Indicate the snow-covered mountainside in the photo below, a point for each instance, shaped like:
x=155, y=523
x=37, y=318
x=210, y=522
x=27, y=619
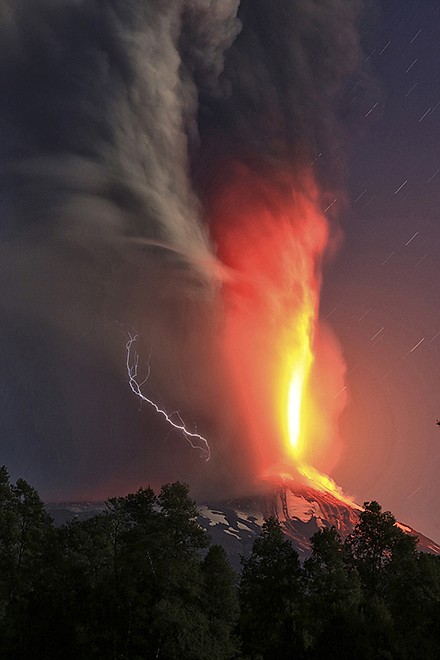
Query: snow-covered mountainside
x=234, y=524
x=302, y=512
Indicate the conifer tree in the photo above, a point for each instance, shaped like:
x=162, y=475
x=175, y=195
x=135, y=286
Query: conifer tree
x=271, y=597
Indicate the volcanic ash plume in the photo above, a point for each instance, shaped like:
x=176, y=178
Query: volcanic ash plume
x=272, y=170
x=275, y=243
x=165, y=166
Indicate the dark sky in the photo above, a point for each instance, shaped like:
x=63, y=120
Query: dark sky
x=113, y=120
x=382, y=296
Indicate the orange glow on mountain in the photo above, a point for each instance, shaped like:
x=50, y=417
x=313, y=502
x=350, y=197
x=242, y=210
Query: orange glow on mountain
x=272, y=235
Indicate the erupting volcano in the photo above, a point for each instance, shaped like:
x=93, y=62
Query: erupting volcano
x=169, y=177
x=271, y=233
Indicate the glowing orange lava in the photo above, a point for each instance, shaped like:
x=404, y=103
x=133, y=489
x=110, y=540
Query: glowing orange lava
x=300, y=364
x=271, y=233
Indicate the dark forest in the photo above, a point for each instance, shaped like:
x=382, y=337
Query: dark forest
x=142, y=580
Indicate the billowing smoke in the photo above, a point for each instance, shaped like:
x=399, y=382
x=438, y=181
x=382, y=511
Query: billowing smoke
x=122, y=122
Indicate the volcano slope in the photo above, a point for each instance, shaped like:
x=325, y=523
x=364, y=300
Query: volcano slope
x=301, y=510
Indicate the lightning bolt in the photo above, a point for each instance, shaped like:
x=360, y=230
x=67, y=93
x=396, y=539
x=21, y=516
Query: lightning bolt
x=132, y=364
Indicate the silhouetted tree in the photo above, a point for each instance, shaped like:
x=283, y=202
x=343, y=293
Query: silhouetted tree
x=27, y=551
x=136, y=579
x=140, y=566
x=221, y=602
x=376, y=542
x=382, y=554
x=271, y=597
x=333, y=598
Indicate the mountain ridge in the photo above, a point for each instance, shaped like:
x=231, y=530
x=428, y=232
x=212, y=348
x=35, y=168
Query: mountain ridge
x=302, y=511
x=235, y=523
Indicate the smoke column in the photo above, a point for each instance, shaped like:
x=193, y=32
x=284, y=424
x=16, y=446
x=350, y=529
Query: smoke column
x=150, y=150
x=275, y=166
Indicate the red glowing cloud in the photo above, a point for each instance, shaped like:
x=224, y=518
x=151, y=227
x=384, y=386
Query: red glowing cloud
x=284, y=373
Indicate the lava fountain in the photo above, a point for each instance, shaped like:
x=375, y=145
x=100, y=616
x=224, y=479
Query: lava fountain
x=269, y=230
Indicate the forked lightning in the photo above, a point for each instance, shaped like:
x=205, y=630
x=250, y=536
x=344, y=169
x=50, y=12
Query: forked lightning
x=132, y=364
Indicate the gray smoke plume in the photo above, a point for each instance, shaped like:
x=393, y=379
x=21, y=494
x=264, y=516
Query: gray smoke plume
x=114, y=117
x=95, y=119
x=285, y=86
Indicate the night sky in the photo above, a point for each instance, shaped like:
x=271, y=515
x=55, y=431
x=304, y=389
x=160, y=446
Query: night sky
x=382, y=295
x=116, y=119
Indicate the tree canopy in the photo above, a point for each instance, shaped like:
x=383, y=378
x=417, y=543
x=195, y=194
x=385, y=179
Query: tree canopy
x=142, y=580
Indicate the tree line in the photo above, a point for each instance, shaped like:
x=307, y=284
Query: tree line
x=142, y=580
